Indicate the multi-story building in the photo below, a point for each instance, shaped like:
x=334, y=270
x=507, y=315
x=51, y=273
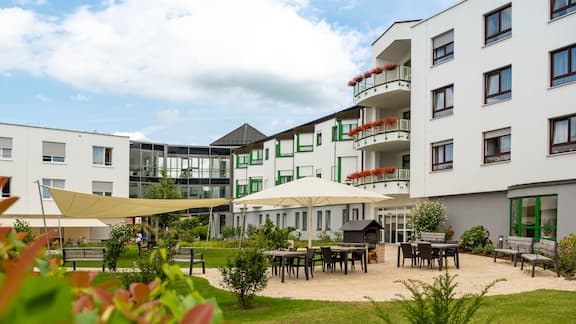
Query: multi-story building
x=199, y=171
x=78, y=161
x=320, y=148
x=481, y=96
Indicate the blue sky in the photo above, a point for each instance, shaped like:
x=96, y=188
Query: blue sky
x=186, y=71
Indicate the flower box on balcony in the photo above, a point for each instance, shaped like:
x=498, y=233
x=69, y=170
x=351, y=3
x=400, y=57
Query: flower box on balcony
x=367, y=74
x=390, y=66
x=351, y=83
x=377, y=70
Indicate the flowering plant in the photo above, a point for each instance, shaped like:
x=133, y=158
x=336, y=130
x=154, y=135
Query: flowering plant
x=367, y=74
x=351, y=83
x=390, y=66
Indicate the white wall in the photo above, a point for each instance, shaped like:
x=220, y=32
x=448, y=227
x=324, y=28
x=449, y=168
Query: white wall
x=26, y=165
x=527, y=113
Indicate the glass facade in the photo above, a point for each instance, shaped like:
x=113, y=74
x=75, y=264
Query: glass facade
x=534, y=216
x=199, y=171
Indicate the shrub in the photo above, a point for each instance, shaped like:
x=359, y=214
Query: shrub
x=271, y=237
x=475, y=237
x=488, y=249
x=324, y=236
x=117, y=244
x=245, y=275
x=567, y=253
x=22, y=226
x=427, y=216
x=149, y=269
x=437, y=303
x=338, y=236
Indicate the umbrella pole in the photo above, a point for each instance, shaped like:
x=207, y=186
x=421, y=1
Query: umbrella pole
x=43, y=213
x=309, y=221
x=209, y=226
x=61, y=240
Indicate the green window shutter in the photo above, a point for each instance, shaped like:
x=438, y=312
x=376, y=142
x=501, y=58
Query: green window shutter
x=318, y=139
x=297, y=172
x=339, y=169
x=277, y=149
x=278, y=177
x=297, y=142
x=340, y=128
x=334, y=133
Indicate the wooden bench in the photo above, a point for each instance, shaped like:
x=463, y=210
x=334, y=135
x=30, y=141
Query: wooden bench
x=545, y=252
x=433, y=237
x=187, y=254
x=516, y=246
x=83, y=254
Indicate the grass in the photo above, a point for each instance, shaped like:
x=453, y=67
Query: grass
x=540, y=306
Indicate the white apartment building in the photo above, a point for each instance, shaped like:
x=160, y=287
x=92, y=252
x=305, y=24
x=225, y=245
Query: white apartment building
x=479, y=103
x=320, y=148
x=78, y=161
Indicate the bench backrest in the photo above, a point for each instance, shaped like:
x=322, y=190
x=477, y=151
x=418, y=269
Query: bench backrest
x=433, y=237
x=83, y=253
x=547, y=247
x=522, y=244
x=184, y=253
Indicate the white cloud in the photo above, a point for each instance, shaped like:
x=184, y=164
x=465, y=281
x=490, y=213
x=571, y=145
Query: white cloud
x=79, y=97
x=169, y=116
x=260, y=51
x=135, y=136
x=43, y=98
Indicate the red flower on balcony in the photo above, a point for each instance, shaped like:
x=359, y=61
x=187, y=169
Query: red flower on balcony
x=390, y=169
x=351, y=83
x=353, y=131
x=358, y=78
x=390, y=66
x=352, y=176
x=367, y=74
x=391, y=121
x=377, y=123
x=377, y=70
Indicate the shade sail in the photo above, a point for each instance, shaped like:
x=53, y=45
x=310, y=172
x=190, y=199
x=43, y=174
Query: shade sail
x=309, y=192
x=76, y=204
x=53, y=222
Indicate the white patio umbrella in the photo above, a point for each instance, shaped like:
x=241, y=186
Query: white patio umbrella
x=310, y=192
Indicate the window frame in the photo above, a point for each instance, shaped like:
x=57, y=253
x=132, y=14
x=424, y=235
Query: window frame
x=104, y=162
x=496, y=37
x=6, y=150
x=435, y=166
x=567, y=143
x=571, y=69
x=327, y=220
x=49, y=182
x=435, y=112
x=500, y=92
x=500, y=153
x=318, y=220
x=567, y=7
x=53, y=158
x=6, y=192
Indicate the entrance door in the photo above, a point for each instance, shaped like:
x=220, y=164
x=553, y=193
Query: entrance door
x=396, y=223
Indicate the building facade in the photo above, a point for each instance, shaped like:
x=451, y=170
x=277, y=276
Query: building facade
x=320, y=148
x=78, y=161
x=488, y=88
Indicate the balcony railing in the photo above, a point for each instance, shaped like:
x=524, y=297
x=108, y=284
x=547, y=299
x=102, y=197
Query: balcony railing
x=401, y=125
x=397, y=175
x=400, y=73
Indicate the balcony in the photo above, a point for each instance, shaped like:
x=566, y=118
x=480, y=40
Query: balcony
x=388, y=88
x=385, y=136
x=396, y=182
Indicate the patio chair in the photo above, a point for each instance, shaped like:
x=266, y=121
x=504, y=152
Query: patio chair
x=451, y=252
x=425, y=252
x=356, y=256
x=312, y=259
x=329, y=259
x=408, y=253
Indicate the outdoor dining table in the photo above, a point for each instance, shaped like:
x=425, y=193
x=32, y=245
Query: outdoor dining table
x=441, y=247
x=288, y=254
x=345, y=250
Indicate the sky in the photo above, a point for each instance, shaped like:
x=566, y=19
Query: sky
x=186, y=71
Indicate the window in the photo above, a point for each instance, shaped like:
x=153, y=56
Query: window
x=284, y=220
x=304, y=221
x=297, y=220
x=442, y=155
x=534, y=216
x=498, y=85
x=284, y=176
x=241, y=188
x=266, y=154
x=563, y=65
x=345, y=216
x=559, y=8
x=305, y=142
x=318, y=139
x=101, y=155
x=256, y=157
x=334, y=133
x=354, y=213
x=319, y=220
x=498, y=24
x=6, y=189
x=345, y=129
x=278, y=220
x=497, y=145
x=102, y=188
x=327, y=220
x=255, y=184
x=285, y=148
x=53, y=152
x=241, y=161
x=443, y=48
x=57, y=183
x=318, y=173
x=442, y=101
x=563, y=134
x=406, y=161
x=5, y=148
x=260, y=219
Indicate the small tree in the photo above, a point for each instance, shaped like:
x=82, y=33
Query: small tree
x=475, y=237
x=245, y=275
x=166, y=188
x=24, y=226
x=427, y=216
x=117, y=244
x=271, y=237
x=567, y=253
x=437, y=303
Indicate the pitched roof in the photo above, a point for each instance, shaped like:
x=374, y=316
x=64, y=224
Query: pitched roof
x=360, y=225
x=242, y=135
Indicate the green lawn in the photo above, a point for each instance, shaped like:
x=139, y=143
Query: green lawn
x=541, y=306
